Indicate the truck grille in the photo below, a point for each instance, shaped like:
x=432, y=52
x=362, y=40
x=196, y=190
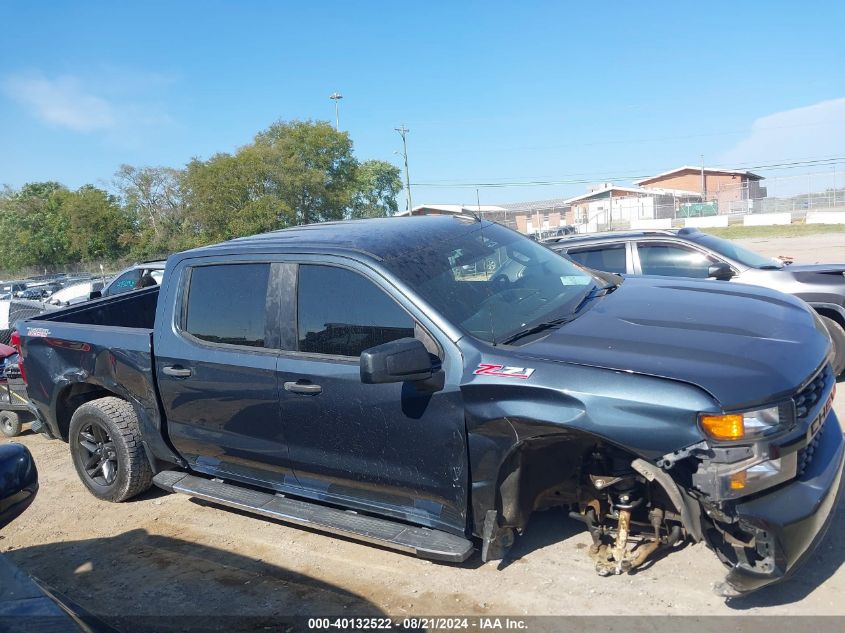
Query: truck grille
x=805, y=401
x=805, y=455
x=810, y=395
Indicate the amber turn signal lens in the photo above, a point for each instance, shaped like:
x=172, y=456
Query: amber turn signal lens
x=739, y=480
x=724, y=427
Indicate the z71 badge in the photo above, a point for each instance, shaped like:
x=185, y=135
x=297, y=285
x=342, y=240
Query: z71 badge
x=500, y=371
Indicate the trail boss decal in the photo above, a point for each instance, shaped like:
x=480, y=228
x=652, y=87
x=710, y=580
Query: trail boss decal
x=500, y=371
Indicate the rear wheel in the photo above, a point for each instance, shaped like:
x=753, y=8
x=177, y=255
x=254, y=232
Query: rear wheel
x=10, y=423
x=837, y=335
x=105, y=443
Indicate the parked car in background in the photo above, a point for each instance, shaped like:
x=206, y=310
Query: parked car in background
x=9, y=289
x=692, y=253
x=131, y=279
x=75, y=293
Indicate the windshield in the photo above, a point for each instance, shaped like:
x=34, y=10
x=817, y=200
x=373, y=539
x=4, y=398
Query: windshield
x=736, y=252
x=492, y=281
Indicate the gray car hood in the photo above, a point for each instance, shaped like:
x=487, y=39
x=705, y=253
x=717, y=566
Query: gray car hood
x=744, y=345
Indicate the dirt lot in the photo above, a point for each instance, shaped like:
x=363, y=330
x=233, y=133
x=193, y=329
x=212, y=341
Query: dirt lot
x=824, y=248
x=168, y=555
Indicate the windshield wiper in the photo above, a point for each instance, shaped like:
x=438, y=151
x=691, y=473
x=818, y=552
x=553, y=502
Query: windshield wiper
x=547, y=325
x=540, y=327
x=597, y=291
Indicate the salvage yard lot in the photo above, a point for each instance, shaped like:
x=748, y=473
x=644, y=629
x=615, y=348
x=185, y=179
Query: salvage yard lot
x=168, y=555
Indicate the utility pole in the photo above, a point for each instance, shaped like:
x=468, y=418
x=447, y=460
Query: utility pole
x=402, y=132
x=703, y=182
x=336, y=97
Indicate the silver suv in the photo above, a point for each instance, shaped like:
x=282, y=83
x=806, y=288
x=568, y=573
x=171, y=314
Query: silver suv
x=689, y=252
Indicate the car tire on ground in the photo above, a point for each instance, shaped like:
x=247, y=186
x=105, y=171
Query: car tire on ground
x=105, y=444
x=10, y=423
x=837, y=335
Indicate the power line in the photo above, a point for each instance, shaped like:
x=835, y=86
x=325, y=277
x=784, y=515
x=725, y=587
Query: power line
x=632, y=141
x=575, y=181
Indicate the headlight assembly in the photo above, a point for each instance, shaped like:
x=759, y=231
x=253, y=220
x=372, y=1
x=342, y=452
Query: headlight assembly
x=748, y=425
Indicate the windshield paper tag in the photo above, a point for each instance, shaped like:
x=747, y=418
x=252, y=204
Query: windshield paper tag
x=500, y=371
x=575, y=280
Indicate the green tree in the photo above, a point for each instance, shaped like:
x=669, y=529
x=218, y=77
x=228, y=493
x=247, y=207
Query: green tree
x=97, y=226
x=292, y=173
x=311, y=168
x=35, y=228
x=153, y=200
x=377, y=185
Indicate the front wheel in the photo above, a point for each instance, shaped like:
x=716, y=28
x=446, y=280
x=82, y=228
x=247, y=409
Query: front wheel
x=105, y=444
x=837, y=335
x=10, y=423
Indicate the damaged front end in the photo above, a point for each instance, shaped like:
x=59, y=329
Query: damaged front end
x=760, y=491
x=631, y=510
x=767, y=482
x=768, y=497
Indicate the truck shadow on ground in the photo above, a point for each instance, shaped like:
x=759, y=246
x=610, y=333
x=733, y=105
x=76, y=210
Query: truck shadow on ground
x=544, y=529
x=826, y=560
x=473, y=562
x=138, y=581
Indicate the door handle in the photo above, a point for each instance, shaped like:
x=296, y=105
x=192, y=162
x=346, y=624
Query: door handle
x=303, y=387
x=176, y=371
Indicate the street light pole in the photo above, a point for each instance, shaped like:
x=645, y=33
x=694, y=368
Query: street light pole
x=402, y=132
x=336, y=97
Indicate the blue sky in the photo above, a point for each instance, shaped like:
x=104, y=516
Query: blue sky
x=568, y=92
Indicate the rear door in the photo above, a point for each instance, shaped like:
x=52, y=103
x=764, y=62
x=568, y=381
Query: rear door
x=394, y=448
x=216, y=370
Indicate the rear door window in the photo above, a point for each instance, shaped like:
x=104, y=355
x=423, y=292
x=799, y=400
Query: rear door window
x=342, y=313
x=227, y=304
x=673, y=260
x=607, y=257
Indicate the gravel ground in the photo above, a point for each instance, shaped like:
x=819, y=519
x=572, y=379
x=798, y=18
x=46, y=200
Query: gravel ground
x=168, y=555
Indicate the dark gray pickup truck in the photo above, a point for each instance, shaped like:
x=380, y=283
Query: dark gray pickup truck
x=382, y=379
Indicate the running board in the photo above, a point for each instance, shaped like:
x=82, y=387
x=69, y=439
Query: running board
x=420, y=541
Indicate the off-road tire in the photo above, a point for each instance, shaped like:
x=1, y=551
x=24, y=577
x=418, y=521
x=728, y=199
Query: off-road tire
x=132, y=472
x=10, y=423
x=837, y=335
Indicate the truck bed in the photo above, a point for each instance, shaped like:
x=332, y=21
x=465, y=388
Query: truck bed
x=105, y=344
x=132, y=310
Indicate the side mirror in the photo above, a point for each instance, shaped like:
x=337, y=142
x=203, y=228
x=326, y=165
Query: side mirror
x=94, y=294
x=720, y=271
x=18, y=481
x=405, y=359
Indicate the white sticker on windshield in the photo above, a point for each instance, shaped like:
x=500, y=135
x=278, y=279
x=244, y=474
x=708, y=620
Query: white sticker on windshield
x=574, y=280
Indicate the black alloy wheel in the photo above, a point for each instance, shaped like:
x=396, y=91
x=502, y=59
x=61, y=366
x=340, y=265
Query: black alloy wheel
x=100, y=464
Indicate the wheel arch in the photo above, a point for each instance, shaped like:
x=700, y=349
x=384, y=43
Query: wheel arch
x=73, y=396
x=831, y=311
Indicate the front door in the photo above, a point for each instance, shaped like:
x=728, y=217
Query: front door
x=391, y=448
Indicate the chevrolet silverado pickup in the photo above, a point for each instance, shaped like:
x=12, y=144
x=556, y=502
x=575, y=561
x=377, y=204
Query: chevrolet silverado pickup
x=426, y=384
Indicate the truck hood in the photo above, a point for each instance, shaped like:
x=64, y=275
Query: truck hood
x=743, y=344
